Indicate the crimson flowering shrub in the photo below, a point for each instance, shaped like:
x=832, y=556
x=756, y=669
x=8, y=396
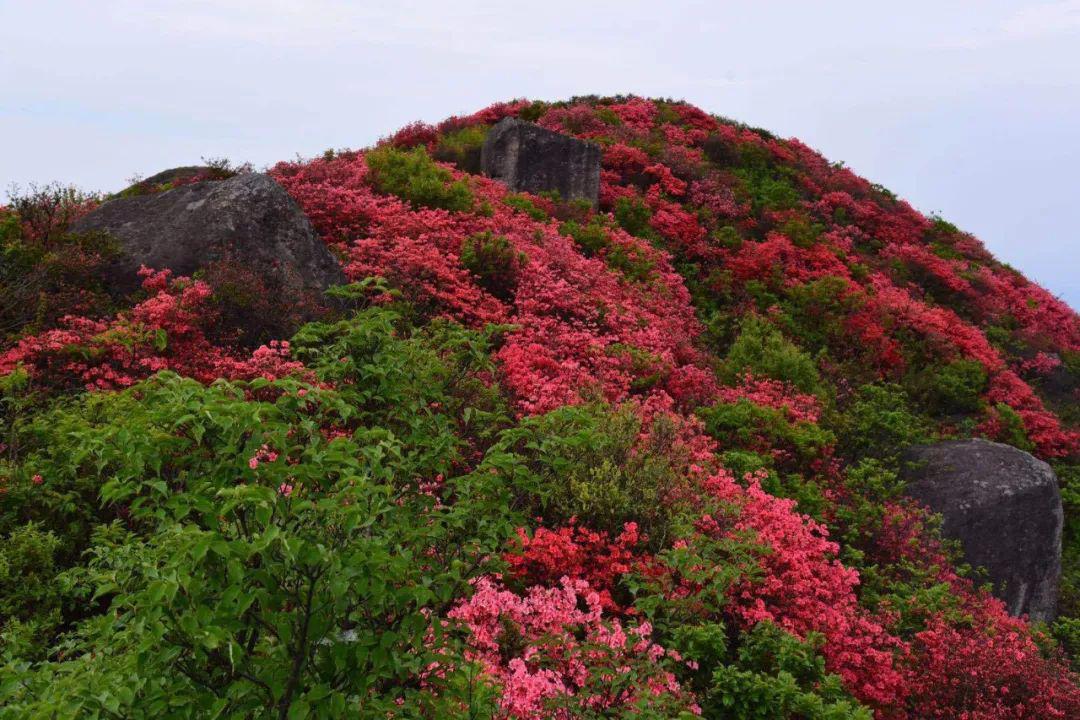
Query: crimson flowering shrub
x=803, y=588
x=990, y=668
x=165, y=331
x=766, y=392
x=578, y=553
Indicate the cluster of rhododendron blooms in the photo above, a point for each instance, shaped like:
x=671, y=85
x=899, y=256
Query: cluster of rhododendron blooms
x=166, y=331
x=553, y=630
x=566, y=649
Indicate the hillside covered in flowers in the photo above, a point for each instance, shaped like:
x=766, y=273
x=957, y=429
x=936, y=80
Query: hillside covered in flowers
x=540, y=459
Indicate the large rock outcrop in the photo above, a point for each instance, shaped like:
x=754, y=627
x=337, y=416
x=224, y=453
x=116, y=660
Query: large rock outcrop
x=1004, y=507
x=242, y=232
x=529, y=158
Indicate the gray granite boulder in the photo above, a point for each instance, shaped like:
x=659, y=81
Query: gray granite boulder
x=1004, y=507
x=245, y=228
x=529, y=158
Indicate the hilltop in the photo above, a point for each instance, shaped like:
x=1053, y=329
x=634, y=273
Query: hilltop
x=641, y=448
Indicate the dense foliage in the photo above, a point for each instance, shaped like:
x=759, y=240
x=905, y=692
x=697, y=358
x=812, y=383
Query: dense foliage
x=544, y=460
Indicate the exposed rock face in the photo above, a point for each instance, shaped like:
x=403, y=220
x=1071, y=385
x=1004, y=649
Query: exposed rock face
x=529, y=158
x=244, y=227
x=1003, y=505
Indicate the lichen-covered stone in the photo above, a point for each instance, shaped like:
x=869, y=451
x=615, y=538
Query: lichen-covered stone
x=1004, y=507
x=529, y=158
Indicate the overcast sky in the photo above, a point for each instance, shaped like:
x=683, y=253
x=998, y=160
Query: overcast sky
x=968, y=109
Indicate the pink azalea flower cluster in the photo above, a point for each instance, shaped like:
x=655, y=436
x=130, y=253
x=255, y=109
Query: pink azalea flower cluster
x=566, y=654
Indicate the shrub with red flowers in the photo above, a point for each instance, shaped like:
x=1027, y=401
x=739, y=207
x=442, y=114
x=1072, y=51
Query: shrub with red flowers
x=577, y=553
x=164, y=332
x=766, y=392
x=572, y=313
x=991, y=667
x=803, y=588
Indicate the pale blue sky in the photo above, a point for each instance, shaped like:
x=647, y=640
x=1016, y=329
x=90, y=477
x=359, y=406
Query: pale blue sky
x=969, y=109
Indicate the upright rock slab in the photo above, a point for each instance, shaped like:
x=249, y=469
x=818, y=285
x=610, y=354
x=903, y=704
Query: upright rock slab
x=529, y=158
x=1004, y=507
x=246, y=227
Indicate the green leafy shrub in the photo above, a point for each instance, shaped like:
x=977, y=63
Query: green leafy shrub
x=1066, y=631
x=30, y=595
x=534, y=110
x=728, y=236
x=462, y=148
x=587, y=463
x=523, y=204
x=955, y=388
x=249, y=559
x=17, y=402
x=413, y=176
x=10, y=228
x=879, y=423
x=495, y=264
x=740, y=462
x=713, y=566
x=633, y=216
x=761, y=349
x=1069, y=591
x=815, y=314
x=754, y=427
x=914, y=591
x=291, y=578
x=632, y=264
x=767, y=187
x=773, y=674
x=802, y=231
x=591, y=237
x=760, y=673
x=396, y=374
x=1011, y=428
